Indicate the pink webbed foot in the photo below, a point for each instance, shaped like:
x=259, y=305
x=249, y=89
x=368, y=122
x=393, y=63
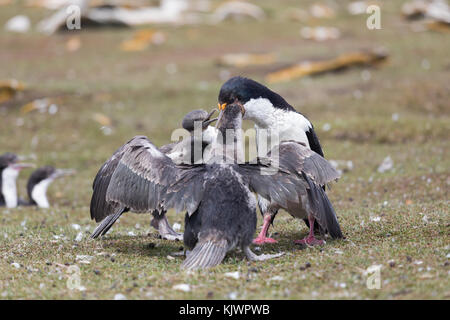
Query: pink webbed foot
x=262, y=240
x=310, y=241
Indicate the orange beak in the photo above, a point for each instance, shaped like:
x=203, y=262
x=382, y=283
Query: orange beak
x=222, y=106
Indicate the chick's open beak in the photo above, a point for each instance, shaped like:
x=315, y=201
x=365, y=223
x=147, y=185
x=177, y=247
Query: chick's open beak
x=207, y=121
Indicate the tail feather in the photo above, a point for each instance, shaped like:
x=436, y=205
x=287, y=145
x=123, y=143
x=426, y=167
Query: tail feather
x=323, y=210
x=333, y=226
x=106, y=224
x=206, y=254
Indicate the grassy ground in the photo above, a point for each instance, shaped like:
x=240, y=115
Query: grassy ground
x=397, y=219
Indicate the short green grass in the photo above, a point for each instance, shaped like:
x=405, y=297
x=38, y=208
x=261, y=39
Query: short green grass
x=397, y=219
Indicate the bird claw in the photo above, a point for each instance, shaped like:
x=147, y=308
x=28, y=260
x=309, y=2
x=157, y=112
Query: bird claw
x=172, y=237
x=262, y=257
x=310, y=241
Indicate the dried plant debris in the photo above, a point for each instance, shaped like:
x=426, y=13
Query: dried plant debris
x=386, y=165
x=434, y=15
x=142, y=39
x=73, y=44
x=49, y=105
x=437, y=10
x=346, y=60
x=102, y=119
x=237, y=10
x=358, y=7
x=121, y=14
x=322, y=11
x=9, y=89
x=320, y=33
x=246, y=59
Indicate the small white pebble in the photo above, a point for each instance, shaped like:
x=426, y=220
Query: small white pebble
x=276, y=278
x=232, y=295
x=366, y=75
x=76, y=226
x=52, y=109
x=79, y=237
x=425, y=64
x=20, y=122
x=182, y=287
x=395, y=117
x=234, y=275
x=84, y=257
x=176, y=226
x=119, y=296
x=106, y=130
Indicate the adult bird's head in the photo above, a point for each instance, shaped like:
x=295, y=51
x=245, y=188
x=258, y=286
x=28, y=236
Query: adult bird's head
x=11, y=161
x=257, y=100
x=10, y=166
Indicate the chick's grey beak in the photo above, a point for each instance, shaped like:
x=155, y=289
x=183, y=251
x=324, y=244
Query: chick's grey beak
x=20, y=166
x=63, y=172
x=207, y=121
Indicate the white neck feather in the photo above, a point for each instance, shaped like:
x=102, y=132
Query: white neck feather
x=9, y=188
x=39, y=193
x=288, y=125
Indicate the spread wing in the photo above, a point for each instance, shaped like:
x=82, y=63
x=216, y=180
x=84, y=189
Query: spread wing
x=140, y=177
x=146, y=179
x=100, y=208
x=296, y=175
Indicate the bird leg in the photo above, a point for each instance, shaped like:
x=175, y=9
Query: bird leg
x=261, y=239
x=160, y=223
x=254, y=257
x=310, y=239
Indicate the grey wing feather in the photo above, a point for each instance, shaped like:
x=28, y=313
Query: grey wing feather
x=296, y=157
x=279, y=186
x=100, y=207
x=145, y=179
x=106, y=224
